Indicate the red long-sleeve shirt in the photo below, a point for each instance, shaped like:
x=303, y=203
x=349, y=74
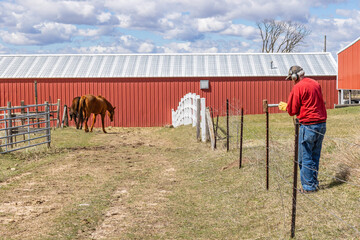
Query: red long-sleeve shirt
x=306, y=102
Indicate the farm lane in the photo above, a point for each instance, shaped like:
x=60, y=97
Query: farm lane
x=38, y=203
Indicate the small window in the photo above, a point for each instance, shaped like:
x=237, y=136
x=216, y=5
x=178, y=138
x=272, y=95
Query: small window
x=204, y=84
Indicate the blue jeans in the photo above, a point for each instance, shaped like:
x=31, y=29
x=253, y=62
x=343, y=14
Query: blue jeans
x=310, y=142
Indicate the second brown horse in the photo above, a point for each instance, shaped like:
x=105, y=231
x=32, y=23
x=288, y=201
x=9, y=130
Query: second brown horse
x=96, y=105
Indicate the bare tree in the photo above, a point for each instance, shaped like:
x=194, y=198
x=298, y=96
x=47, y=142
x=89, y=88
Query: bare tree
x=280, y=36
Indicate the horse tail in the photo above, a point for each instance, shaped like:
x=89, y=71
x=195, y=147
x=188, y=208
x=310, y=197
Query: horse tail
x=77, y=107
x=82, y=106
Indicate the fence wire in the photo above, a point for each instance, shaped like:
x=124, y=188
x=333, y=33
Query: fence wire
x=335, y=209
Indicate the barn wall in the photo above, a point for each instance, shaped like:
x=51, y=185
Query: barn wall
x=349, y=68
x=148, y=102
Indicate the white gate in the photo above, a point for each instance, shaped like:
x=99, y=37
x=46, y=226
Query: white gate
x=191, y=110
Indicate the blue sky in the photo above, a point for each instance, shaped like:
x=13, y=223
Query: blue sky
x=168, y=26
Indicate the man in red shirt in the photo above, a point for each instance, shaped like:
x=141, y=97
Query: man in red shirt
x=306, y=102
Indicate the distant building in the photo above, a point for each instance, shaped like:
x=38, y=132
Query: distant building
x=145, y=87
x=349, y=70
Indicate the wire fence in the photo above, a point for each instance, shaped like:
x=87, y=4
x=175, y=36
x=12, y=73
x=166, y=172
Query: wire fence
x=338, y=168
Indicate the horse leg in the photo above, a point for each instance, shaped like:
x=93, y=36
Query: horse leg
x=85, y=123
x=76, y=123
x=102, y=122
x=81, y=119
x=94, y=121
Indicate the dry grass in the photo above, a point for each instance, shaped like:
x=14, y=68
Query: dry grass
x=160, y=183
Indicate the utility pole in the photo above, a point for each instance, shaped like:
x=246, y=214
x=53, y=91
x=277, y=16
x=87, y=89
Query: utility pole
x=325, y=43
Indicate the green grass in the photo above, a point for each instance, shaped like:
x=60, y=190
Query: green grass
x=167, y=185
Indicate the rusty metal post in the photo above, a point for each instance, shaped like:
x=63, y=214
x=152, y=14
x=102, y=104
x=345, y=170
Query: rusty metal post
x=266, y=110
x=296, y=154
x=227, y=126
x=216, y=129
x=241, y=136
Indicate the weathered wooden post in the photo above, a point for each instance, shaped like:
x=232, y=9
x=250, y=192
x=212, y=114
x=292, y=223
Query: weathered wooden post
x=296, y=154
x=266, y=110
x=204, y=132
x=65, y=117
x=58, y=114
x=198, y=107
x=211, y=128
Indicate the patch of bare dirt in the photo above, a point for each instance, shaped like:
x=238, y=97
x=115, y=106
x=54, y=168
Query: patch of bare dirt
x=36, y=198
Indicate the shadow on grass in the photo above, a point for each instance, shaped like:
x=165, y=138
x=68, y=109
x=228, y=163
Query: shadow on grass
x=341, y=177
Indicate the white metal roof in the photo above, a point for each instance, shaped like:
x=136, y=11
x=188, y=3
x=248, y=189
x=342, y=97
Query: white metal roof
x=164, y=65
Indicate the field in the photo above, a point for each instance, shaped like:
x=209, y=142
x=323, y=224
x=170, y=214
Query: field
x=161, y=183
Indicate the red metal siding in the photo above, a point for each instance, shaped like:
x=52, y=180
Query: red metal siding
x=148, y=102
x=349, y=68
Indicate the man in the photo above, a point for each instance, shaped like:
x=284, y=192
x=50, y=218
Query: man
x=306, y=102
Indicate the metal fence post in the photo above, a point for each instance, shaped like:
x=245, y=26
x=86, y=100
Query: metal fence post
x=296, y=153
x=266, y=110
x=241, y=136
x=216, y=129
x=227, y=126
x=47, y=117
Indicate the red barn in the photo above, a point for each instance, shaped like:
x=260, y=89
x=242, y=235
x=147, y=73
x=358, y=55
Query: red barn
x=349, y=68
x=145, y=87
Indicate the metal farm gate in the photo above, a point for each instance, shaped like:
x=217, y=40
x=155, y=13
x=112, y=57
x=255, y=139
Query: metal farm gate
x=24, y=127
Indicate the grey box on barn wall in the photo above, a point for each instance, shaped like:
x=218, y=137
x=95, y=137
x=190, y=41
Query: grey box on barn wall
x=204, y=84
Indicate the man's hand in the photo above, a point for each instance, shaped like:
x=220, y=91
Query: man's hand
x=282, y=106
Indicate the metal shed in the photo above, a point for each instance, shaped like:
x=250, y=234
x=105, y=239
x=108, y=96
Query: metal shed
x=145, y=87
x=349, y=68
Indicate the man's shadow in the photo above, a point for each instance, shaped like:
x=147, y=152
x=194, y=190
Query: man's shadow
x=341, y=177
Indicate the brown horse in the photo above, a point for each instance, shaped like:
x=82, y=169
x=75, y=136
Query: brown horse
x=96, y=105
x=75, y=112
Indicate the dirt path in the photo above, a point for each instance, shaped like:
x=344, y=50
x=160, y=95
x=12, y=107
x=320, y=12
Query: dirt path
x=33, y=202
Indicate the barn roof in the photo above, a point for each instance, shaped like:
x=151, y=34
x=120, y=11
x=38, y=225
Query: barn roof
x=164, y=65
x=348, y=46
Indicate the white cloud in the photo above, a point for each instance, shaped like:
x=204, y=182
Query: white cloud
x=124, y=44
x=16, y=38
x=146, y=47
x=104, y=17
x=94, y=32
x=211, y=24
x=241, y=30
